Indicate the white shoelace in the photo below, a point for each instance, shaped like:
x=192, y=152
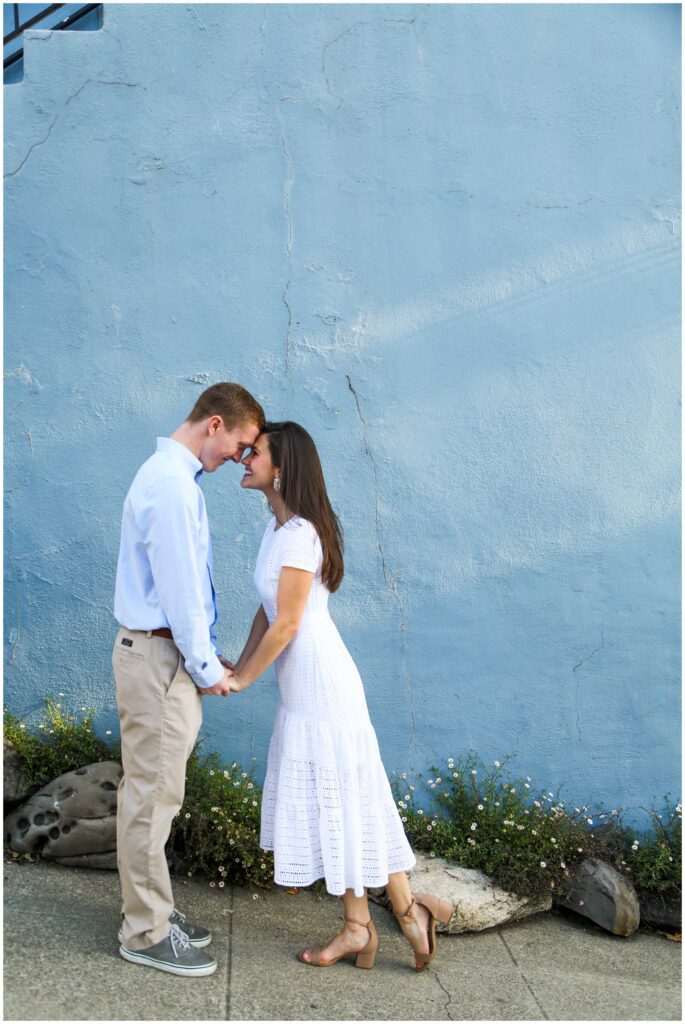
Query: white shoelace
x=178, y=938
x=176, y=915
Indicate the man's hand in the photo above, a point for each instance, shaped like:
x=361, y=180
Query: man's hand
x=222, y=688
x=226, y=663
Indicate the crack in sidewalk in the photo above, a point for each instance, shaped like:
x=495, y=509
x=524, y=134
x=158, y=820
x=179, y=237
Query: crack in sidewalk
x=523, y=977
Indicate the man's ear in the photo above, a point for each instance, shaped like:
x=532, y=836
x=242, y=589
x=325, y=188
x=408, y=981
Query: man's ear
x=213, y=424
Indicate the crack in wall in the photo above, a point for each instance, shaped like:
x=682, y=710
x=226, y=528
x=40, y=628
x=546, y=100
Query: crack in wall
x=523, y=977
x=582, y=662
x=387, y=21
x=41, y=142
x=289, y=241
x=390, y=582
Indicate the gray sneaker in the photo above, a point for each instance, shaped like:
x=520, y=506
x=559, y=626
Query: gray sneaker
x=173, y=954
x=197, y=935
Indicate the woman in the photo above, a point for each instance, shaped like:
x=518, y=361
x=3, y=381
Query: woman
x=327, y=807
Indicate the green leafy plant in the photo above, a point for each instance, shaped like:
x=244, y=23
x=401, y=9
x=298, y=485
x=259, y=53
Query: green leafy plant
x=654, y=859
x=63, y=742
x=527, y=841
x=216, y=832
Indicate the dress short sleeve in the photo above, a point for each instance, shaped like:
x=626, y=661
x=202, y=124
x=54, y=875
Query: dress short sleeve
x=300, y=545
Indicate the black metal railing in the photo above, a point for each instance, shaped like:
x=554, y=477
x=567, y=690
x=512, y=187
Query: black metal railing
x=19, y=26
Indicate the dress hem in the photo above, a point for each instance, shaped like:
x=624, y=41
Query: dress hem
x=333, y=892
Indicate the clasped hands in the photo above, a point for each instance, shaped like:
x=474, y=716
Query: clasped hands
x=229, y=682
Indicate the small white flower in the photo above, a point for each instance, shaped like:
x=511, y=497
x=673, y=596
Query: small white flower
x=221, y=885
x=244, y=775
x=438, y=779
x=407, y=796
x=430, y=782
x=250, y=785
x=550, y=795
x=480, y=807
x=255, y=896
x=472, y=841
x=403, y=818
x=187, y=815
x=473, y=826
x=520, y=827
x=496, y=803
x=108, y=733
x=562, y=864
x=543, y=864
x=456, y=775
x=496, y=840
x=496, y=764
x=254, y=803
x=528, y=778
x=537, y=803
x=526, y=785
x=473, y=771
x=580, y=849
x=22, y=726
x=60, y=694
x=401, y=803
x=512, y=790
x=589, y=821
x=419, y=811
x=553, y=840
x=534, y=831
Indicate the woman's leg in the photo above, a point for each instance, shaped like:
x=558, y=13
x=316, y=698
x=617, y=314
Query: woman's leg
x=416, y=926
x=354, y=934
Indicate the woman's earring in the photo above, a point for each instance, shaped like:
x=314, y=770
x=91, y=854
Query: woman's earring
x=277, y=484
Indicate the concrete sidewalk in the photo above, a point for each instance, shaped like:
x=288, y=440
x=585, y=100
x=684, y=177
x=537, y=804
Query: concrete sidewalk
x=61, y=962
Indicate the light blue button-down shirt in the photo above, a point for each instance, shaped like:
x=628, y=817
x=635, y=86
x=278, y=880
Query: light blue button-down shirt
x=164, y=573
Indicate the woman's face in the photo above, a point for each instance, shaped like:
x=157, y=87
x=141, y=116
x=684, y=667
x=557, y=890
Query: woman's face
x=259, y=469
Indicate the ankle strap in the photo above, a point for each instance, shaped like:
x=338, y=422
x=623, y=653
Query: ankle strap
x=405, y=914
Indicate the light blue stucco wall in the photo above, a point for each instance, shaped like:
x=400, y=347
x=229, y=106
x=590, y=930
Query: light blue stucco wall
x=446, y=240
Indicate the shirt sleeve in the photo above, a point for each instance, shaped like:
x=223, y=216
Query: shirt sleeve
x=169, y=527
x=301, y=547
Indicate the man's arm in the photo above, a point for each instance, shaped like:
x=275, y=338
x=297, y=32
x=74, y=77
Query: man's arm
x=169, y=526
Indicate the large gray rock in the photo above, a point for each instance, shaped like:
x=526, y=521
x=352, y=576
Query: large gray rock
x=605, y=896
x=478, y=903
x=660, y=912
x=71, y=816
x=15, y=788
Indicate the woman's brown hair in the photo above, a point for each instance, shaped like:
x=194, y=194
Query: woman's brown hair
x=304, y=492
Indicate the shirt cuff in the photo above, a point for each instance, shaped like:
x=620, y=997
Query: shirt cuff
x=211, y=673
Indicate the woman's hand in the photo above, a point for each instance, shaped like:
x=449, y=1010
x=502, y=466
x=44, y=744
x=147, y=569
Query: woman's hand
x=237, y=684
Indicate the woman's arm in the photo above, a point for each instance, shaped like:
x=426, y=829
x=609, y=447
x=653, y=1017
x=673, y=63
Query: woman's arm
x=293, y=590
x=260, y=624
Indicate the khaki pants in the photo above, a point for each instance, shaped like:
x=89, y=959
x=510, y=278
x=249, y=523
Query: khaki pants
x=160, y=712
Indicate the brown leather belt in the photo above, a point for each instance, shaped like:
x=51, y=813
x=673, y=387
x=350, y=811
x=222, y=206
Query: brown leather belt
x=163, y=631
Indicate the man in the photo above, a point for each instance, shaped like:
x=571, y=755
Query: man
x=165, y=657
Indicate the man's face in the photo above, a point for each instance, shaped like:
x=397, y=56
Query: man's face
x=223, y=445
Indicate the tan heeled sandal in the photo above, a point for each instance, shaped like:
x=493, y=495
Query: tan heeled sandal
x=438, y=910
x=364, y=958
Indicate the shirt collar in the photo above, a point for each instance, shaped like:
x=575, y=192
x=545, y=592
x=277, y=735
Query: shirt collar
x=182, y=454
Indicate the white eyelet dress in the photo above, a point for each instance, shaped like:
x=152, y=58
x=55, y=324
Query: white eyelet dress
x=327, y=807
